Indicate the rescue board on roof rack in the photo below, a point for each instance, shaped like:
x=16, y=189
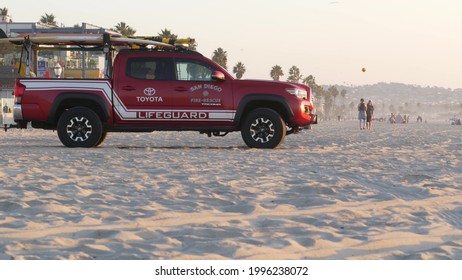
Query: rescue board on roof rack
x=85, y=40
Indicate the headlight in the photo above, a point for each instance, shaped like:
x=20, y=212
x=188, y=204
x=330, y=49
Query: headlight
x=300, y=93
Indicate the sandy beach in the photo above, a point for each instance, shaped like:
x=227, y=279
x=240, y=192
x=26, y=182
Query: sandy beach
x=334, y=192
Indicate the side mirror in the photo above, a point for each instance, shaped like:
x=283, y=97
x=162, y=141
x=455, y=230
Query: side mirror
x=218, y=76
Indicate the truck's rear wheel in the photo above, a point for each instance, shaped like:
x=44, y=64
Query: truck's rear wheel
x=263, y=128
x=79, y=127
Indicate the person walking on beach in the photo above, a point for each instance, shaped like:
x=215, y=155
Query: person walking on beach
x=362, y=114
x=369, y=113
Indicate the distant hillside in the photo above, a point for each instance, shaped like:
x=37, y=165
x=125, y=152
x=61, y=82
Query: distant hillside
x=434, y=102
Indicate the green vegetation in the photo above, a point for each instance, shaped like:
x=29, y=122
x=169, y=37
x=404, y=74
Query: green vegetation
x=124, y=29
x=220, y=56
x=239, y=70
x=49, y=19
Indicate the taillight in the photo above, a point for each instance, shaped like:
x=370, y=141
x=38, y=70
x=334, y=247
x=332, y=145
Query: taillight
x=18, y=91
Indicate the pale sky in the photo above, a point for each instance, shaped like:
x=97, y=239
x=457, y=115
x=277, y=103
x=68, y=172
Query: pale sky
x=406, y=41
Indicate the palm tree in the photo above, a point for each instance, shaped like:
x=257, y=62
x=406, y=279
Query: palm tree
x=317, y=91
x=239, y=70
x=276, y=72
x=124, y=29
x=352, y=106
x=220, y=56
x=343, y=93
x=193, y=45
x=334, y=93
x=328, y=103
x=309, y=81
x=294, y=75
x=4, y=11
x=49, y=19
x=165, y=33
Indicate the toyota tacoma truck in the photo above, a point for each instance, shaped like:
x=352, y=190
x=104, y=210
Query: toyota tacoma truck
x=163, y=89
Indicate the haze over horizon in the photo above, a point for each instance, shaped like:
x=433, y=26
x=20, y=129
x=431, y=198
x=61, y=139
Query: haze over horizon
x=410, y=42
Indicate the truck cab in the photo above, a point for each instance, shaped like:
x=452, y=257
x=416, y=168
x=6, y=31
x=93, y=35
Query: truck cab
x=179, y=90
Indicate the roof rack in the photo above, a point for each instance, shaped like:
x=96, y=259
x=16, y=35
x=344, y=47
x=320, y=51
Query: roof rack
x=106, y=42
x=97, y=40
x=174, y=50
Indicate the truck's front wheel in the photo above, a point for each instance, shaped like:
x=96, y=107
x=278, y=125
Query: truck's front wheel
x=79, y=127
x=263, y=128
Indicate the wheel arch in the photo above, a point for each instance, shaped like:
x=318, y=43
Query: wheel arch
x=68, y=100
x=254, y=101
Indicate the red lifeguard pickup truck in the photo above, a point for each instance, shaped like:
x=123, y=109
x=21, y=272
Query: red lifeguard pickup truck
x=157, y=90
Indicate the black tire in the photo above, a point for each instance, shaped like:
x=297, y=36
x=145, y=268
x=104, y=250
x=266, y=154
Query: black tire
x=103, y=137
x=263, y=128
x=79, y=127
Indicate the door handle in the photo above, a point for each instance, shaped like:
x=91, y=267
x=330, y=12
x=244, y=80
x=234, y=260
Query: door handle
x=128, y=88
x=181, y=89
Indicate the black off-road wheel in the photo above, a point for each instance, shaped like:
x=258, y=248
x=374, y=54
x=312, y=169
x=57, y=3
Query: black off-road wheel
x=263, y=128
x=80, y=127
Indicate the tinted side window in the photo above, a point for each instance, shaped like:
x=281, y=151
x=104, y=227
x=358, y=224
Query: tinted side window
x=193, y=70
x=149, y=68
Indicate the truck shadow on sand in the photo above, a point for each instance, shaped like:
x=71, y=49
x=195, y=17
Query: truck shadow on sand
x=183, y=147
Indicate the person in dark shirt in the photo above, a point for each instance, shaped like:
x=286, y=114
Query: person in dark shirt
x=369, y=114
